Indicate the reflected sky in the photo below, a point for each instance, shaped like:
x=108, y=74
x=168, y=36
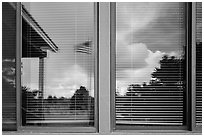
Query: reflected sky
x=145, y=33
x=67, y=24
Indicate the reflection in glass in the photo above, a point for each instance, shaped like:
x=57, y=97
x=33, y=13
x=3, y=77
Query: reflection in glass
x=58, y=64
x=8, y=65
x=150, y=62
x=198, y=63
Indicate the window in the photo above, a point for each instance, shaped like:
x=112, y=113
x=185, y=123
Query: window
x=58, y=64
x=199, y=64
x=150, y=64
x=8, y=66
x=107, y=68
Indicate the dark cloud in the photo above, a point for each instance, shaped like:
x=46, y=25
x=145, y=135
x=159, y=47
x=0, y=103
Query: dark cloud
x=166, y=32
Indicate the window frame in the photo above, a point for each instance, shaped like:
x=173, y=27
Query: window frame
x=194, y=127
x=190, y=18
x=42, y=129
x=104, y=78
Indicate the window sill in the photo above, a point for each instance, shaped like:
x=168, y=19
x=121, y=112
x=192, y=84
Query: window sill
x=155, y=132
x=116, y=132
x=52, y=130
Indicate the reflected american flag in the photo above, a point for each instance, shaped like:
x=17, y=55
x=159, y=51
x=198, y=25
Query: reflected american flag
x=85, y=47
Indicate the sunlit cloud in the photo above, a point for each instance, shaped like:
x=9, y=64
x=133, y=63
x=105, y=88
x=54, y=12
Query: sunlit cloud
x=137, y=75
x=73, y=78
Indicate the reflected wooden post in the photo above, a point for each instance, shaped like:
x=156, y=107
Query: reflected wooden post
x=18, y=65
x=41, y=86
x=41, y=76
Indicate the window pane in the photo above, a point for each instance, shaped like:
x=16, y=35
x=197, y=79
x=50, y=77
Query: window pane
x=58, y=64
x=8, y=65
x=198, y=63
x=150, y=64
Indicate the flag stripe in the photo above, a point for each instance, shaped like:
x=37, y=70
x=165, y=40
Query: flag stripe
x=84, y=47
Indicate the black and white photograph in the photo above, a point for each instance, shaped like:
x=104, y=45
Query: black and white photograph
x=101, y=68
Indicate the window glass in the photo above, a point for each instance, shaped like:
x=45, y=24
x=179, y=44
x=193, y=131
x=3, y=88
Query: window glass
x=150, y=64
x=198, y=63
x=58, y=64
x=8, y=65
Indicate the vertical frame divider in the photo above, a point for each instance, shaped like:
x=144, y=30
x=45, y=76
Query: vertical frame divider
x=193, y=66
x=113, y=62
x=96, y=76
x=18, y=64
x=104, y=68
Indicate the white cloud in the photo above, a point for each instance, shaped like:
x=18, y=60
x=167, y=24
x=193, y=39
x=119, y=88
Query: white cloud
x=138, y=75
x=153, y=58
x=8, y=60
x=73, y=78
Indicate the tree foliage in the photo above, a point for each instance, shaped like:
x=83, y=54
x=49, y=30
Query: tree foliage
x=81, y=99
x=169, y=75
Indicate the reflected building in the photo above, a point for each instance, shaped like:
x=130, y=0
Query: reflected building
x=35, y=44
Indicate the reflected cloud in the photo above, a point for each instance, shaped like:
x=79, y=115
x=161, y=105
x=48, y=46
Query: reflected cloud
x=131, y=56
x=8, y=70
x=137, y=75
x=131, y=17
x=149, y=23
x=8, y=60
x=72, y=79
x=145, y=33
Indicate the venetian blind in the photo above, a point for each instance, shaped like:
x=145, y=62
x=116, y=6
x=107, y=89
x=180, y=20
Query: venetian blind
x=198, y=63
x=8, y=66
x=58, y=64
x=150, y=64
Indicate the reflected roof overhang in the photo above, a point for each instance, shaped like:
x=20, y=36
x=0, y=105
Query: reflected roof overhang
x=34, y=39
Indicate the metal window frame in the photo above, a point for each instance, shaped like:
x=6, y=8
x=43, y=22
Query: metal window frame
x=104, y=80
x=194, y=127
x=104, y=68
x=191, y=85
x=191, y=63
x=40, y=130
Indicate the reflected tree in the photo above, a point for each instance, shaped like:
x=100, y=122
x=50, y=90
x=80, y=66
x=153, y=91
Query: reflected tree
x=79, y=101
x=82, y=101
x=32, y=104
x=170, y=71
x=170, y=76
x=167, y=83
